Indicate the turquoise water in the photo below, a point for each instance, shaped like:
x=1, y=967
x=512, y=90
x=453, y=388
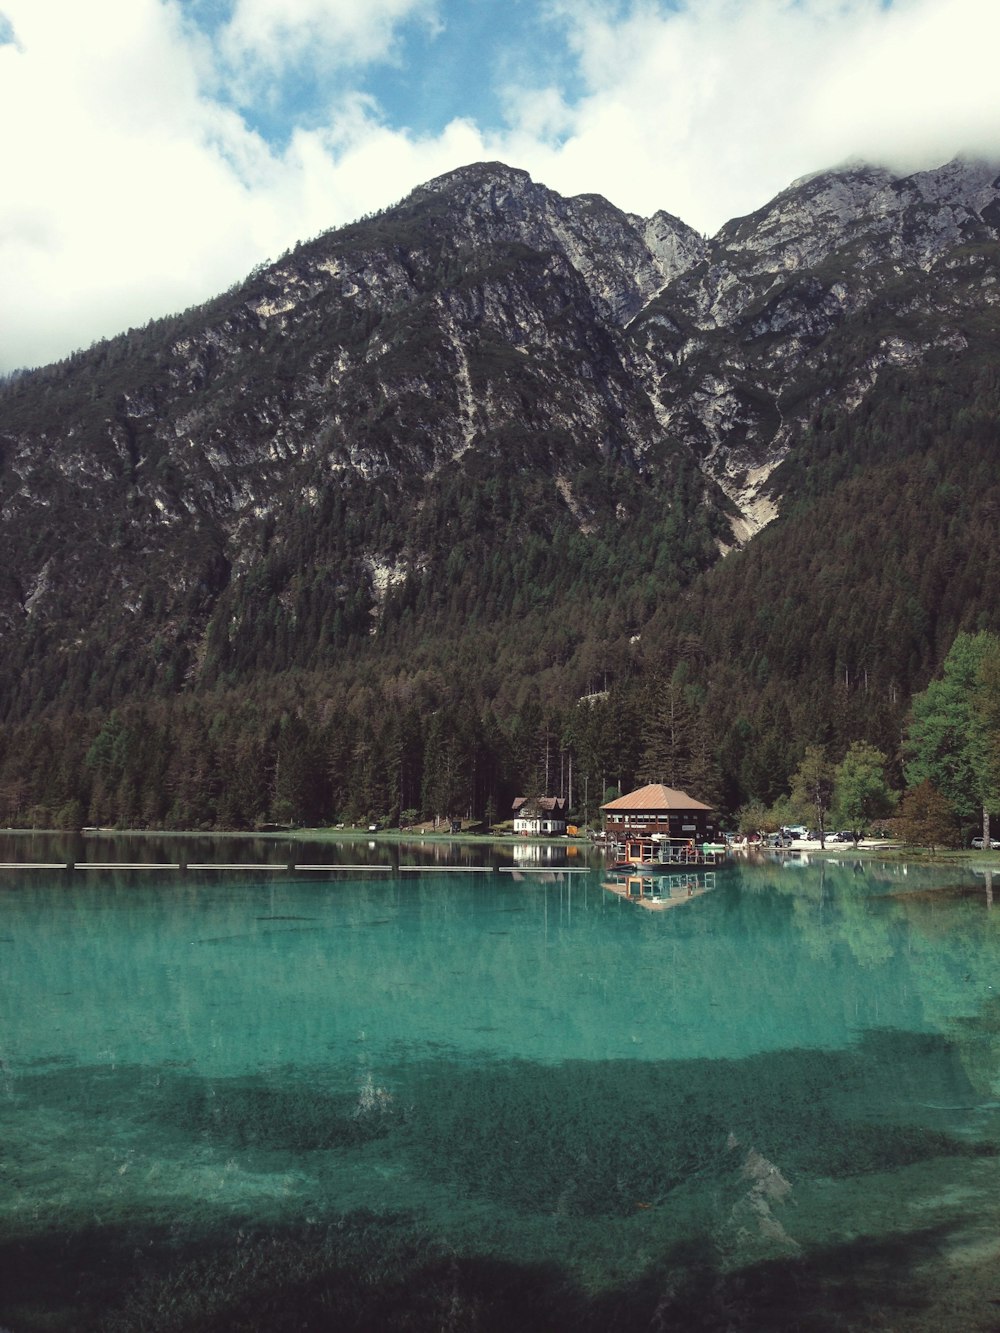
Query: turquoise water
x=423, y=1099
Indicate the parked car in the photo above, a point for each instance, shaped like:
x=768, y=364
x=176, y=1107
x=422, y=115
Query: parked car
x=978, y=843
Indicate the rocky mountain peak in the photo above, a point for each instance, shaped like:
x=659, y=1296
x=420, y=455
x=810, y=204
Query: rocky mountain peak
x=879, y=215
x=474, y=179
x=731, y=342
x=803, y=223
x=623, y=259
x=621, y=390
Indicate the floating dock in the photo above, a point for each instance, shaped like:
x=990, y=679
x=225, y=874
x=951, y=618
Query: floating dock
x=662, y=851
x=284, y=867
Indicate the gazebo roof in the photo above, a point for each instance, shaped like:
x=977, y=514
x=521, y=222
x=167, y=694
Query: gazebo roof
x=656, y=797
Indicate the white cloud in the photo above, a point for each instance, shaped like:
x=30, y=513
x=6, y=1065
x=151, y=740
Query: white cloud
x=710, y=109
x=114, y=177
x=129, y=193
x=363, y=165
x=921, y=84
x=132, y=188
x=267, y=36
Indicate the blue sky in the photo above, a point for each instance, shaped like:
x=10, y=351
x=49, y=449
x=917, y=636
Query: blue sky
x=457, y=66
x=442, y=61
x=156, y=150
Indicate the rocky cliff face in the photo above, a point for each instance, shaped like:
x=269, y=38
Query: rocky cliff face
x=293, y=442
x=802, y=303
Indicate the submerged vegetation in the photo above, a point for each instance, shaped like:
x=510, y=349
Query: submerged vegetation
x=272, y=1138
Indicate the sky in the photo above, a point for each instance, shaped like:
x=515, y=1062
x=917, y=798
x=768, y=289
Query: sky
x=155, y=151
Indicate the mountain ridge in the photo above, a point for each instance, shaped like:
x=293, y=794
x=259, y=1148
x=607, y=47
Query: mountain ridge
x=434, y=430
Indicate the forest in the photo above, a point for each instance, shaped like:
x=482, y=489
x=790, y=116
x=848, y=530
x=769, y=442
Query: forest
x=513, y=669
x=240, y=586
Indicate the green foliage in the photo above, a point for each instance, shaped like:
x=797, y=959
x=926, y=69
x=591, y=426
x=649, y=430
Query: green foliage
x=813, y=786
x=926, y=818
x=861, y=793
x=951, y=738
x=754, y=817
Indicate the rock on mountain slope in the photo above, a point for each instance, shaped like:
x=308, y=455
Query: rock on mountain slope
x=294, y=449
x=803, y=302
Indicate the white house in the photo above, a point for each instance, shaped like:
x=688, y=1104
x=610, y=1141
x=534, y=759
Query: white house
x=539, y=815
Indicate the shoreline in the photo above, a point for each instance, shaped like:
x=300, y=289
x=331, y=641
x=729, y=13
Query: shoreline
x=867, y=848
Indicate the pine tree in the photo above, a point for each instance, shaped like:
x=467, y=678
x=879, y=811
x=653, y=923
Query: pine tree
x=951, y=739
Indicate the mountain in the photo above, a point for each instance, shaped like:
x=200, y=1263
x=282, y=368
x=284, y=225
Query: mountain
x=323, y=434
x=499, y=445
x=802, y=305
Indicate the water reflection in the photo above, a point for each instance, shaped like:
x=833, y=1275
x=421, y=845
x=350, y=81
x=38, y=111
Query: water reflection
x=404, y=1090
x=93, y=848
x=658, y=892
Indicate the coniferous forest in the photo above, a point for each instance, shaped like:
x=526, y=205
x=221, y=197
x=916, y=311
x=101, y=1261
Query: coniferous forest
x=229, y=601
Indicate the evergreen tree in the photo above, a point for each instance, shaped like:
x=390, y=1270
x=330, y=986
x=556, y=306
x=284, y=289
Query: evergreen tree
x=668, y=730
x=951, y=739
x=299, y=787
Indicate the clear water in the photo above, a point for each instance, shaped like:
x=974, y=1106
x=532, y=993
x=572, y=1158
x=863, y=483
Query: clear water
x=429, y=1099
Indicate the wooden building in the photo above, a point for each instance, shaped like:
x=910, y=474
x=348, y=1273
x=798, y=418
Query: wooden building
x=662, y=812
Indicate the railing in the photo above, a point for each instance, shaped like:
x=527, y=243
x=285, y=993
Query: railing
x=650, y=852
x=690, y=856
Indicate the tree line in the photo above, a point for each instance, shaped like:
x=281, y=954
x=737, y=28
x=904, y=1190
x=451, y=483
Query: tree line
x=395, y=754
x=950, y=761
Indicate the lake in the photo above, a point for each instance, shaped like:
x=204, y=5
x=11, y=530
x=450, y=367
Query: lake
x=463, y=1087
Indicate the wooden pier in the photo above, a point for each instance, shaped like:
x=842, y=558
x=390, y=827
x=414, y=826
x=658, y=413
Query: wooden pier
x=666, y=852
x=285, y=867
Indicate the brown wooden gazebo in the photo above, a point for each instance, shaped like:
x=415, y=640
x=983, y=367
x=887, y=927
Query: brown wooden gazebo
x=656, y=809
